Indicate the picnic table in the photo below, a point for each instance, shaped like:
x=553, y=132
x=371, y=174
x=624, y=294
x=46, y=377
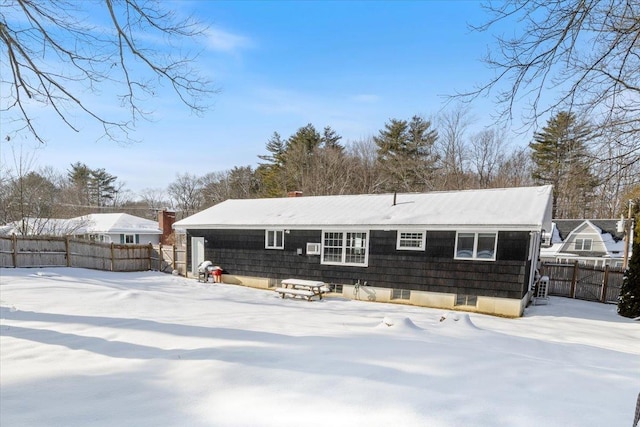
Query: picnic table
x=301, y=288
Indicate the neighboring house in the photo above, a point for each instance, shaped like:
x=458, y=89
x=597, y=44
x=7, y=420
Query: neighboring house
x=118, y=228
x=593, y=242
x=474, y=250
x=42, y=226
x=108, y=227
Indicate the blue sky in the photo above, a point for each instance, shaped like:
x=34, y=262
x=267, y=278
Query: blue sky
x=281, y=65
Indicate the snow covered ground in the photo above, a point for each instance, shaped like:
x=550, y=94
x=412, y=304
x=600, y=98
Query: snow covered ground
x=90, y=348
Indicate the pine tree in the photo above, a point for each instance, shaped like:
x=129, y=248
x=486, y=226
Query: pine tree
x=330, y=139
x=405, y=153
x=102, y=187
x=629, y=300
x=276, y=147
x=301, y=150
x=80, y=175
x=561, y=158
x=272, y=173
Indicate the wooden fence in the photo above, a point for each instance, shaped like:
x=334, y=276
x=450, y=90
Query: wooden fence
x=584, y=282
x=54, y=251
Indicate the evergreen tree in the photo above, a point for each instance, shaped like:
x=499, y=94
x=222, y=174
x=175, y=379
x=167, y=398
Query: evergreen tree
x=301, y=153
x=405, y=154
x=80, y=175
x=306, y=139
x=629, y=300
x=272, y=173
x=276, y=147
x=330, y=139
x=102, y=187
x=561, y=158
x=308, y=161
x=93, y=187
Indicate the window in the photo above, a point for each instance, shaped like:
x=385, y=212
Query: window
x=477, y=246
x=336, y=288
x=345, y=247
x=583, y=244
x=400, y=294
x=128, y=239
x=471, y=300
x=411, y=240
x=274, y=239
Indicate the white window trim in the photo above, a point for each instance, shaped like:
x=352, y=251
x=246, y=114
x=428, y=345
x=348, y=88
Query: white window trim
x=583, y=240
x=266, y=239
x=474, y=256
x=344, y=247
x=411, y=248
x=133, y=237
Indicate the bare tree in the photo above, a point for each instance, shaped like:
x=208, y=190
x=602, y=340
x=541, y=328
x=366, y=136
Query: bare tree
x=155, y=198
x=515, y=169
x=453, y=150
x=487, y=154
x=330, y=173
x=236, y=183
x=616, y=178
x=585, y=53
x=53, y=56
x=186, y=193
x=366, y=177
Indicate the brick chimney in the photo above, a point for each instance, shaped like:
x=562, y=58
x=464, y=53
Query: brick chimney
x=165, y=221
x=294, y=194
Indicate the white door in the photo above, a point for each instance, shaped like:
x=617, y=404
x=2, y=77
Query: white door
x=197, y=254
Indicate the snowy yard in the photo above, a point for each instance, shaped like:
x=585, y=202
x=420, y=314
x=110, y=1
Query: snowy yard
x=90, y=348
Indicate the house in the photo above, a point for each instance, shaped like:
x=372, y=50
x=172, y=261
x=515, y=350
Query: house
x=105, y=227
x=474, y=250
x=118, y=228
x=41, y=226
x=592, y=242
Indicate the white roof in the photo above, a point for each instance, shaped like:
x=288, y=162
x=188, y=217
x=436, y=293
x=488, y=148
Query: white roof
x=117, y=223
x=505, y=208
x=41, y=226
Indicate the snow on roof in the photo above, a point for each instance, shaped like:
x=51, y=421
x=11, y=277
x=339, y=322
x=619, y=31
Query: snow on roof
x=41, y=226
x=513, y=208
x=117, y=223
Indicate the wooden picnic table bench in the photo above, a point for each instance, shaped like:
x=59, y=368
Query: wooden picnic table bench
x=301, y=288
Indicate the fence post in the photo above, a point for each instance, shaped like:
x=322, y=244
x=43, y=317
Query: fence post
x=14, y=254
x=67, y=249
x=149, y=252
x=605, y=284
x=574, y=280
x=113, y=256
x=173, y=261
x=160, y=256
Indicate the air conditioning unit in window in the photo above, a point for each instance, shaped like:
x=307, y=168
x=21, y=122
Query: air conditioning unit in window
x=313, y=248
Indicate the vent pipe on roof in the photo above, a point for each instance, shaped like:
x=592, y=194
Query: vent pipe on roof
x=394, y=198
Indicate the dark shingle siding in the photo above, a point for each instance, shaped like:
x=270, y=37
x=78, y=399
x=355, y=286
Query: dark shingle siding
x=242, y=252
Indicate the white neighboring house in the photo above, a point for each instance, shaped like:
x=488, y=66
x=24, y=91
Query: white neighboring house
x=42, y=226
x=593, y=242
x=119, y=228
